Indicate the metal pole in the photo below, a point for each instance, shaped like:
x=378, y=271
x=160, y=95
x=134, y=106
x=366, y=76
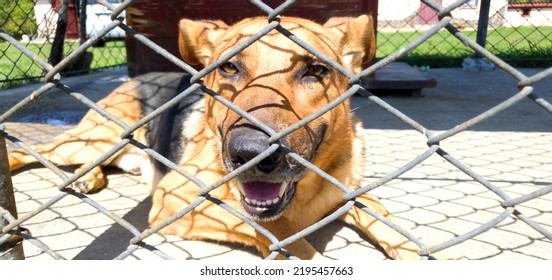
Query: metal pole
x=56, y=53
x=483, y=24
x=12, y=249
x=82, y=21
x=479, y=63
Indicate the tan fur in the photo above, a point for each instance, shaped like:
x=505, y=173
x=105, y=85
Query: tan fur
x=93, y=137
x=270, y=83
x=271, y=90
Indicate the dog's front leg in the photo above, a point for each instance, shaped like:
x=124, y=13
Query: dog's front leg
x=302, y=249
x=92, y=181
x=209, y=221
x=394, y=244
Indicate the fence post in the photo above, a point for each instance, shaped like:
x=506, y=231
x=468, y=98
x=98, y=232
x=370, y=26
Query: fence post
x=56, y=53
x=479, y=63
x=9, y=250
x=82, y=21
x=483, y=24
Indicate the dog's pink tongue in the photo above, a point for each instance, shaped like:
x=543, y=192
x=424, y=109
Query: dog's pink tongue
x=262, y=191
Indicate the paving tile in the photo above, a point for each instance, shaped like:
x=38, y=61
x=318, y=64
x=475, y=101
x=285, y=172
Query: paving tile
x=435, y=200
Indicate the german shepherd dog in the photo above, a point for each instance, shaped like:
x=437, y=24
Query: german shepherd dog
x=276, y=82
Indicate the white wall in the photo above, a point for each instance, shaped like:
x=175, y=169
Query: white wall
x=389, y=10
x=46, y=19
x=397, y=9
x=538, y=17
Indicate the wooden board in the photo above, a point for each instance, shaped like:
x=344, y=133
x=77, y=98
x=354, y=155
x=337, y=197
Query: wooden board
x=399, y=78
x=158, y=20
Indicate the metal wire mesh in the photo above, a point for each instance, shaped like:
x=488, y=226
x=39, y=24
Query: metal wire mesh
x=34, y=23
x=518, y=32
x=433, y=140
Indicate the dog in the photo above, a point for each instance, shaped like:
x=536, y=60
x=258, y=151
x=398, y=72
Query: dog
x=276, y=82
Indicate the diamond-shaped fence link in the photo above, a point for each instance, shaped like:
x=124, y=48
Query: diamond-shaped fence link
x=12, y=227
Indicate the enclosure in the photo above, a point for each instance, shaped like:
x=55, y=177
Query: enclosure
x=466, y=167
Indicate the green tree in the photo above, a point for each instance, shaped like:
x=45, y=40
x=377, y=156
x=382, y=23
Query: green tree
x=17, y=17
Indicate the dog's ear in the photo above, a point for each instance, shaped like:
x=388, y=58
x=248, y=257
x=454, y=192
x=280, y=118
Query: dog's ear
x=358, y=40
x=196, y=39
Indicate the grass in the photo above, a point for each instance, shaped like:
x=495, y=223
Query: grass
x=521, y=47
x=17, y=69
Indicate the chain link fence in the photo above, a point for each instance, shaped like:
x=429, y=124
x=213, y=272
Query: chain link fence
x=53, y=29
x=517, y=31
x=12, y=228
x=520, y=33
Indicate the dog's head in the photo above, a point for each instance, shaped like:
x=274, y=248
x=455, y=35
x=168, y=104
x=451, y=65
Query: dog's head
x=278, y=83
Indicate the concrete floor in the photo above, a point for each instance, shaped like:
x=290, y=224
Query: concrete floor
x=434, y=200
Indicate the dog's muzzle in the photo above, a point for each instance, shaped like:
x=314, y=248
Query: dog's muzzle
x=268, y=187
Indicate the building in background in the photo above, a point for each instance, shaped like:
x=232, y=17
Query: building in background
x=97, y=17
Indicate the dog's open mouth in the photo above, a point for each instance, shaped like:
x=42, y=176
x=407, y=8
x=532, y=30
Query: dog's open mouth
x=266, y=200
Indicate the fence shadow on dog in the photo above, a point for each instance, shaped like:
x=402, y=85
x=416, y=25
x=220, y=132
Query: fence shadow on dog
x=132, y=225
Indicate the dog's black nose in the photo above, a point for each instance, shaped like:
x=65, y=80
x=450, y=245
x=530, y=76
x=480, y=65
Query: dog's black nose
x=247, y=144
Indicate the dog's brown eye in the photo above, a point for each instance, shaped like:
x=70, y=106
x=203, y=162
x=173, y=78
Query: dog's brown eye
x=229, y=68
x=316, y=71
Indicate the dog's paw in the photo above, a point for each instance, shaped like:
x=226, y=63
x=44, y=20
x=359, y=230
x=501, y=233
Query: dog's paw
x=319, y=257
x=88, y=186
x=447, y=255
x=404, y=254
x=91, y=182
x=412, y=254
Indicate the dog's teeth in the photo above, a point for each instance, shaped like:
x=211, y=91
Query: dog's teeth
x=264, y=203
x=283, y=188
x=252, y=201
x=241, y=187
